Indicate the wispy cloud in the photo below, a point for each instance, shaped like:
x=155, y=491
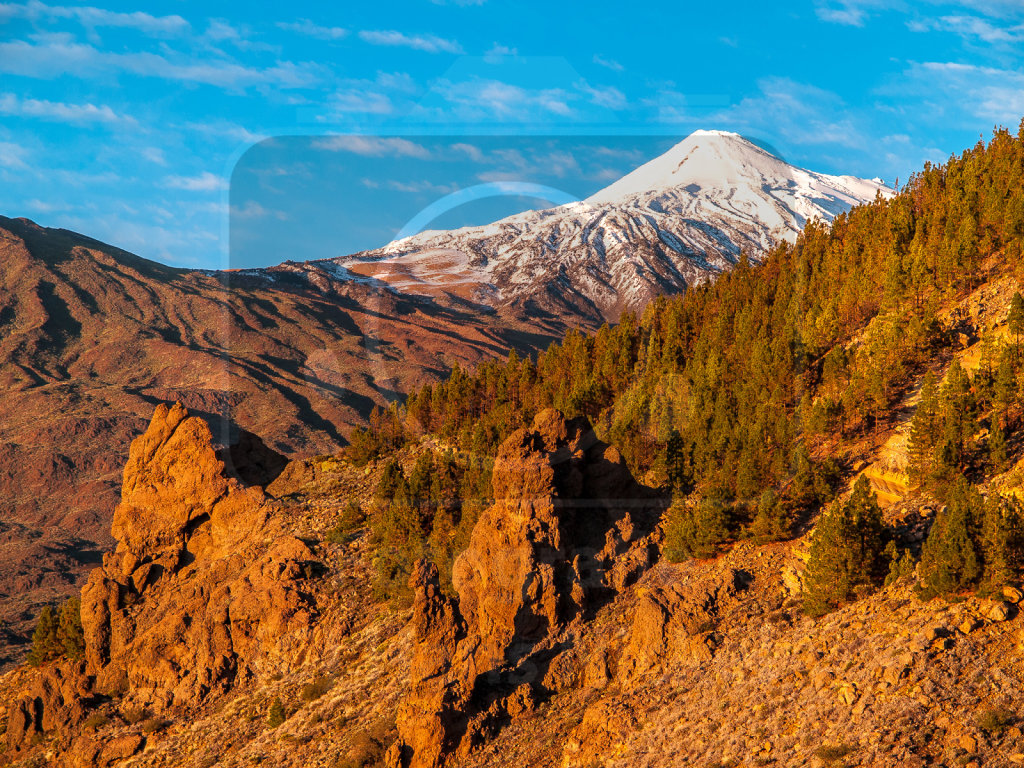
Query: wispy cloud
x=604, y=96
x=972, y=28
x=228, y=130
x=13, y=156
x=310, y=29
x=970, y=93
x=372, y=146
x=204, y=182
x=481, y=98
x=852, y=12
x=59, y=111
x=611, y=64
x=799, y=113
x=56, y=56
x=98, y=17
x=427, y=43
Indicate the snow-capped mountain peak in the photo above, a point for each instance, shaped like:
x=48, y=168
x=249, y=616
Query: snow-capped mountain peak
x=675, y=221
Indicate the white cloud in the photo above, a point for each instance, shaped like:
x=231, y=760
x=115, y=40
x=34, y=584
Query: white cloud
x=472, y=151
x=12, y=156
x=227, y=129
x=253, y=210
x=310, y=29
x=372, y=146
x=969, y=93
x=604, y=96
x=358, y=101
x=204, y=182
x=154, y=155
x=427, y=43
x=607, y=63
x=98, y=17
x=481, y=98
x=410, y=187
x=971, y=28
x=59, y=111
x=499, y=52
x=55, y=56
x=852, y=12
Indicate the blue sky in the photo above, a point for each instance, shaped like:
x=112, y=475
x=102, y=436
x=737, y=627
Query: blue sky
x=127, y=125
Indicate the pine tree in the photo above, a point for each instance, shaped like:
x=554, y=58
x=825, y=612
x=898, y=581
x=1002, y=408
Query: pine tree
x=950, y=557
x=772, y=521
x=846, y=553
x=45, y=643
x=1002, y=542
x=925, y=429
x=695, y=531
x=997, y=449
x=1015, y=320
x=69, y=629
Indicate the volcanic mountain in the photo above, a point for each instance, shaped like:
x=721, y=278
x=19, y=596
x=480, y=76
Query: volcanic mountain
x=676, y=221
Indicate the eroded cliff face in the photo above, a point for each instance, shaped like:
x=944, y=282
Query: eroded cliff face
x=569, y=529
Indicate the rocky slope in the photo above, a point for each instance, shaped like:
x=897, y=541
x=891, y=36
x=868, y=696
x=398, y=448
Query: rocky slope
x=676, y=221
x=568, y=642
x=93, y=337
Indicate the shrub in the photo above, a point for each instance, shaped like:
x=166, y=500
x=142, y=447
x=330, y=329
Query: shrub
x=994, y=720
x=276, y=714
x=314, y=690
x=350, y=519
x=832, y=753
x=95, y=721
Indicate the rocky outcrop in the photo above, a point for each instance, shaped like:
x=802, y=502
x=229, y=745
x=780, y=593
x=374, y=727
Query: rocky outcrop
x=205, y=589
x=194, y=597
x=570, y=527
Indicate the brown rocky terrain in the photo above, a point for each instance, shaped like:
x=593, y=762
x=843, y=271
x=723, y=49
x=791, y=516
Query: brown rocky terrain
x=91, y=338
x=568, y=641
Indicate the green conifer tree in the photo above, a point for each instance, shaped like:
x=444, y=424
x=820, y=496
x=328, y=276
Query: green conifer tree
x=846, y=553
x=45, y=644
x=695, y=531
x=69, y=629
x=1002, y=542
x=1015, y=320
x=925, y=429
x=950, y=557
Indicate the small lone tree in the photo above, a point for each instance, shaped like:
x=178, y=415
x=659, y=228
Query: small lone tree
x=846, y=553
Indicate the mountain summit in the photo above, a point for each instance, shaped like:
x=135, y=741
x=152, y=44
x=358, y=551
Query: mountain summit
x=676, y=221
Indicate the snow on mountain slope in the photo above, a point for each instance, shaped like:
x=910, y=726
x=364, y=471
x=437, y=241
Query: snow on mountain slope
x=676, y=221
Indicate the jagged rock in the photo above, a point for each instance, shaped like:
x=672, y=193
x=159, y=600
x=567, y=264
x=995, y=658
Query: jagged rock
x=564, y=534
x=193, y=597
x=56, y=701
